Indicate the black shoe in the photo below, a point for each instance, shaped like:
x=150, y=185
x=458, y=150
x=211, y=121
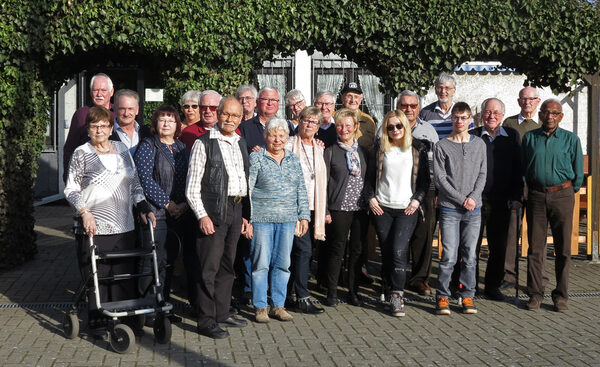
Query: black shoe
x=332, y=301
x=290, y=304
x=232, y=322
x=365, y=279
x=306, y=306
x=354, y=300
x=494, y=294
x=174, y=318
x=506, y=285
x=214, y=332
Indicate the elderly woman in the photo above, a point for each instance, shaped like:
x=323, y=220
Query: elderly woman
x=310, y=154
x=279, y=210
x=296, y=102
x=398, y=182
x=346, y=164
x=103, y=186
x=190, y=103
x=162, y=163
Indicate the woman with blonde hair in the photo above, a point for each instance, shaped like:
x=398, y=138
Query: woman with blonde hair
x=398, y=180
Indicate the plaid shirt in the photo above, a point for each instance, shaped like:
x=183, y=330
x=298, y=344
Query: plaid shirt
x=234, y=165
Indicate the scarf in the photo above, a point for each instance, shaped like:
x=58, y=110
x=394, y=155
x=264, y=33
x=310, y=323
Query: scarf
x=320, y=172
x=352, y=158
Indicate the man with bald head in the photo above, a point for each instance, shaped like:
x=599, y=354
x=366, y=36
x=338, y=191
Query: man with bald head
x=222, y=210
x=553, y=167
x=502, y=192
x=526, y=120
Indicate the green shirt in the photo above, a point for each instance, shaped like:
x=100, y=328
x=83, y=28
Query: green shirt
x=552, y=160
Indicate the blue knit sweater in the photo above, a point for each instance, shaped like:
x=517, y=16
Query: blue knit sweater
x=277, y=192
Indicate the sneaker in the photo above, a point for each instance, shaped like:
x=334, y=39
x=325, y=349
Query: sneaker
x=280, y=314
x=469, y=306
x=262, y=315
x=397, y=305
x=443, y=306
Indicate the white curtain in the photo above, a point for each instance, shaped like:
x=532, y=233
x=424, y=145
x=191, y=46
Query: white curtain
x=373, y=97
x=330, y=82
x=278, y=82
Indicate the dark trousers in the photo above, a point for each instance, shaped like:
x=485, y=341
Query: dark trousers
x=495, y=218
x=555, y=208
x=187, y=228
x=394, y=229
x=113, y=291
x=300, y=263
x=510, y=257
x=342, y=223
x=214, y=277
x=421, y=241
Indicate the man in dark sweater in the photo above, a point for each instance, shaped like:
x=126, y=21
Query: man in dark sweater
x=502, y=191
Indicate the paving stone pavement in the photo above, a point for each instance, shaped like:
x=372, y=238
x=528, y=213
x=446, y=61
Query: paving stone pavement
x=34, y=297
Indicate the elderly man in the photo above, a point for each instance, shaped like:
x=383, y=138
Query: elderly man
x=502, y=191
x=420, y=243
x=209, y=102
x=101, y=90
x=127, y=130
x=267, y=107
x=459, y=174
x=438, y=113
x=526, y=120
x=352, y=97
x=325, y=101
x=296, y=102
x=246, y=95
x=553, y=166
x=217, y=193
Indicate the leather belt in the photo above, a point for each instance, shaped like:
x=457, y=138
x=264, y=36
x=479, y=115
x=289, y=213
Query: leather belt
x=236, y=199
x=562, y=186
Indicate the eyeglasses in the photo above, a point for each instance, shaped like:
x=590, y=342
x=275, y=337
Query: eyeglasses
x=99, y=127
x=269, y=100
x=310, y=122
x=293, y=105
x=326, y=104
x=249, y=98
x=166, y=121
x=406, y=106
x=394, y=127
x=553, y=113
x=495, y=113
x=528, y=99
x=210, y=108
x=227, y=115
x=188, y=106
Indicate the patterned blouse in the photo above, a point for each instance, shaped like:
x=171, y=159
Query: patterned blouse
x=109, y=190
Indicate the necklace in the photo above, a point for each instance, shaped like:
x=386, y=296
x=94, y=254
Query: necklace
x=310, y=168
x=102, y=151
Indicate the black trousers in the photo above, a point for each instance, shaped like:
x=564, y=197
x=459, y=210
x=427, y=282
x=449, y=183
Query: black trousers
x=421, y=241
x=344, y=223
x=214, y=277
x=495, y=218
x=555, y=208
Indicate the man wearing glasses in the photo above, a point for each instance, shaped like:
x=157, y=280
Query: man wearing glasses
x=438, y=113
x=266, y=108
x=325, y=101
x=209, y=102
x=420, y=243
x=502, y=192
x=526, y=120
x=553, y=166
x=246, y=95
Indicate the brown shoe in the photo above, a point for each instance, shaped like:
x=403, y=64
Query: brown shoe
x=534, y=303
x=560, y=304
x=423, y=289
x=262, y=316
x=280, y=314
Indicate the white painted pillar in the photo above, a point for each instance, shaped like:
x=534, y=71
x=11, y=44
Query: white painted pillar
x=303, y=75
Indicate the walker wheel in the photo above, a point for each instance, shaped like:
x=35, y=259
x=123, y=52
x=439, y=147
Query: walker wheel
x=162, y=329
x=122, y=339
x=71, y=325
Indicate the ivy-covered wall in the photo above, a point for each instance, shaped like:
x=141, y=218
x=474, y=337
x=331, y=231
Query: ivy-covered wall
x=217, y=43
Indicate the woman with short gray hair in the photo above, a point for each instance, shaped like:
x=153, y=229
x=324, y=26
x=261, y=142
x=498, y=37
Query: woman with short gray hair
x=279, y=210
x=190, y=104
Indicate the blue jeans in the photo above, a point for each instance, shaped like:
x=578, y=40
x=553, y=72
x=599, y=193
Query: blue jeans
x=270, y=251
x=460, y=230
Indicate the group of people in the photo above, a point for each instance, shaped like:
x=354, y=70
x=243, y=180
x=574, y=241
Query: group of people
x=232, y=180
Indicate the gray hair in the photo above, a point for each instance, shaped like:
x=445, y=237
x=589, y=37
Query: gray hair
x=323, y=92
x=126, y=93
x=190, y=95
x=529, y=87
x=294, y=95
x=485, y=102
x=244, y=88
x=551, y=100
x=410, y=93
x=225, y=100
x=209, y=92
x=108, y=81
x=443, y=78
x=276, y=123
x=268, y=89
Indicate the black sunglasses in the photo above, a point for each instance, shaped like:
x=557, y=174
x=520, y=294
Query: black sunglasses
x=394, y=127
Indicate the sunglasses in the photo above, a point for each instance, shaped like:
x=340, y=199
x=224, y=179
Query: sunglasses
x=211, y=108
x=188, y=106
x=394, y=127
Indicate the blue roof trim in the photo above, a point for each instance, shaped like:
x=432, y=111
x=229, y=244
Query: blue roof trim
x=480, y=68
